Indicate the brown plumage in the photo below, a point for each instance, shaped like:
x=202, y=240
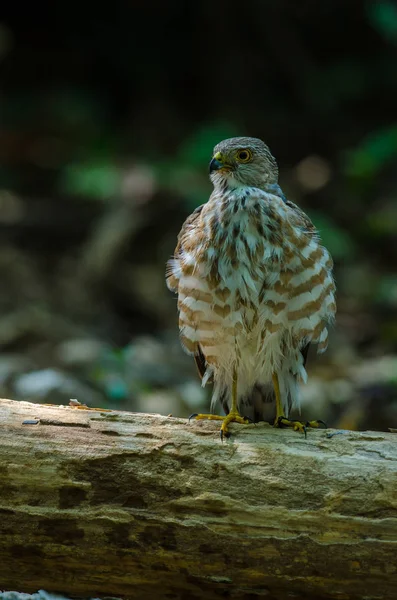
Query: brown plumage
x=254, y=284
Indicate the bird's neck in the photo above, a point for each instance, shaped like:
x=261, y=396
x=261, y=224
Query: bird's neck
x=233, y=210
x=229, y=200
x=234, y=188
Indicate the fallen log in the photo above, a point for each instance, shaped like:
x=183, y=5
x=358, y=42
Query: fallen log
x=145, y=506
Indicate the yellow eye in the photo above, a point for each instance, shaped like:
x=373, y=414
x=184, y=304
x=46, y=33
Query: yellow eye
x=244, y=156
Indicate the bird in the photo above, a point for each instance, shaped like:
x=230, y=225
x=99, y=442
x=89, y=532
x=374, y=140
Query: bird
x=254, y=289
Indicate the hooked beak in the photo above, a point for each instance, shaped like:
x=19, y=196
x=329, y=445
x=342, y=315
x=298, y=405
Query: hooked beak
x=217, y=163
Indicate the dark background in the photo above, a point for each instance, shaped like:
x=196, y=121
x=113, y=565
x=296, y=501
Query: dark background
x=108, y=116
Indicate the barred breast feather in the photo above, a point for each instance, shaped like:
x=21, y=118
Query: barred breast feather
x=254, y=287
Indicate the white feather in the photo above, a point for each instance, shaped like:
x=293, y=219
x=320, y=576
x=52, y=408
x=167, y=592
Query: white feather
x=256, y=352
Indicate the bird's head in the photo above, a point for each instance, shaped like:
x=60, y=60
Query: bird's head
x=243, y=161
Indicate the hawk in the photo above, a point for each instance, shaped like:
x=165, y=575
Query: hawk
x=255, y=288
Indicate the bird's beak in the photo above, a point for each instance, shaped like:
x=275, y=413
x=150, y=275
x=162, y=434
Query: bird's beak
x=217, y=163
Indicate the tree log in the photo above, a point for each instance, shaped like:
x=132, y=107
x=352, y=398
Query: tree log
x=145, y=506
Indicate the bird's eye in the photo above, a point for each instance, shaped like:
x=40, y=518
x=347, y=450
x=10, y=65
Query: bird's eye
x=244, y=156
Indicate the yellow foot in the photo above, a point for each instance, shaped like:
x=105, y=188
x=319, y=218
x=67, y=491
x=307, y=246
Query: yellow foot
x=232, y=417
x=297, y=425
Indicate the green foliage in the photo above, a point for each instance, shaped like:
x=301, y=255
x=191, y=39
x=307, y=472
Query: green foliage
x=374, y=153
x=186, y=173
x=194, y=150
x=383, y=16
x=381, y=222
x=335, y=239
x=91, y=180
x=386, y=292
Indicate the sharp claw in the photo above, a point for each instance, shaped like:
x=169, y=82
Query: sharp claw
x=230, y=418
x=296, y=425
x=224, y=435
x=249, y=419
x=316, y=421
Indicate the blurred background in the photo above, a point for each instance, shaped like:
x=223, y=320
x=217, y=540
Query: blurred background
x=108, y=117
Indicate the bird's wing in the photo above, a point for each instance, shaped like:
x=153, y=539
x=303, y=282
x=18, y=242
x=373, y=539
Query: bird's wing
x=172, y=270
x=173, y=275
x=310, y=228
x=314, y=270
x=303, y=222
x=302, y=217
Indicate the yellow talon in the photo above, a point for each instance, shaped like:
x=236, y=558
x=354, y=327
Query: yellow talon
x=232, y=417
x=282, y=421
x=296, y=425
x=316, y=423
x=209, y=417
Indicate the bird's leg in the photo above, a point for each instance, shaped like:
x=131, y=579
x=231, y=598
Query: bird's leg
x=233, y=416
x=279, y=404
x=281, y=420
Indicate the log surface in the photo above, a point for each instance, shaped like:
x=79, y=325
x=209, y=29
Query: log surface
x=144, y=506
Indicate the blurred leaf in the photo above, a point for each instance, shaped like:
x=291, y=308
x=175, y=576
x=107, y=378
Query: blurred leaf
x=187, y=172
x=115, y=388
x=383, y=16
x=388, y=331
x=382, y=222
x=335, y=239
x=372, y=154
x=386, y=292
x=90, y=180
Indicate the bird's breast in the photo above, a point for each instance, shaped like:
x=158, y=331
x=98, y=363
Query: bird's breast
x=223, y=278
x=250, y=277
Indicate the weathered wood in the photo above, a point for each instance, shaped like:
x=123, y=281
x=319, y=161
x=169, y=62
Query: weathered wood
x=145, y=506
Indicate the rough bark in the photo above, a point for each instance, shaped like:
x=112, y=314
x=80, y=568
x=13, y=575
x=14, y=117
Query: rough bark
x=145, y=506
